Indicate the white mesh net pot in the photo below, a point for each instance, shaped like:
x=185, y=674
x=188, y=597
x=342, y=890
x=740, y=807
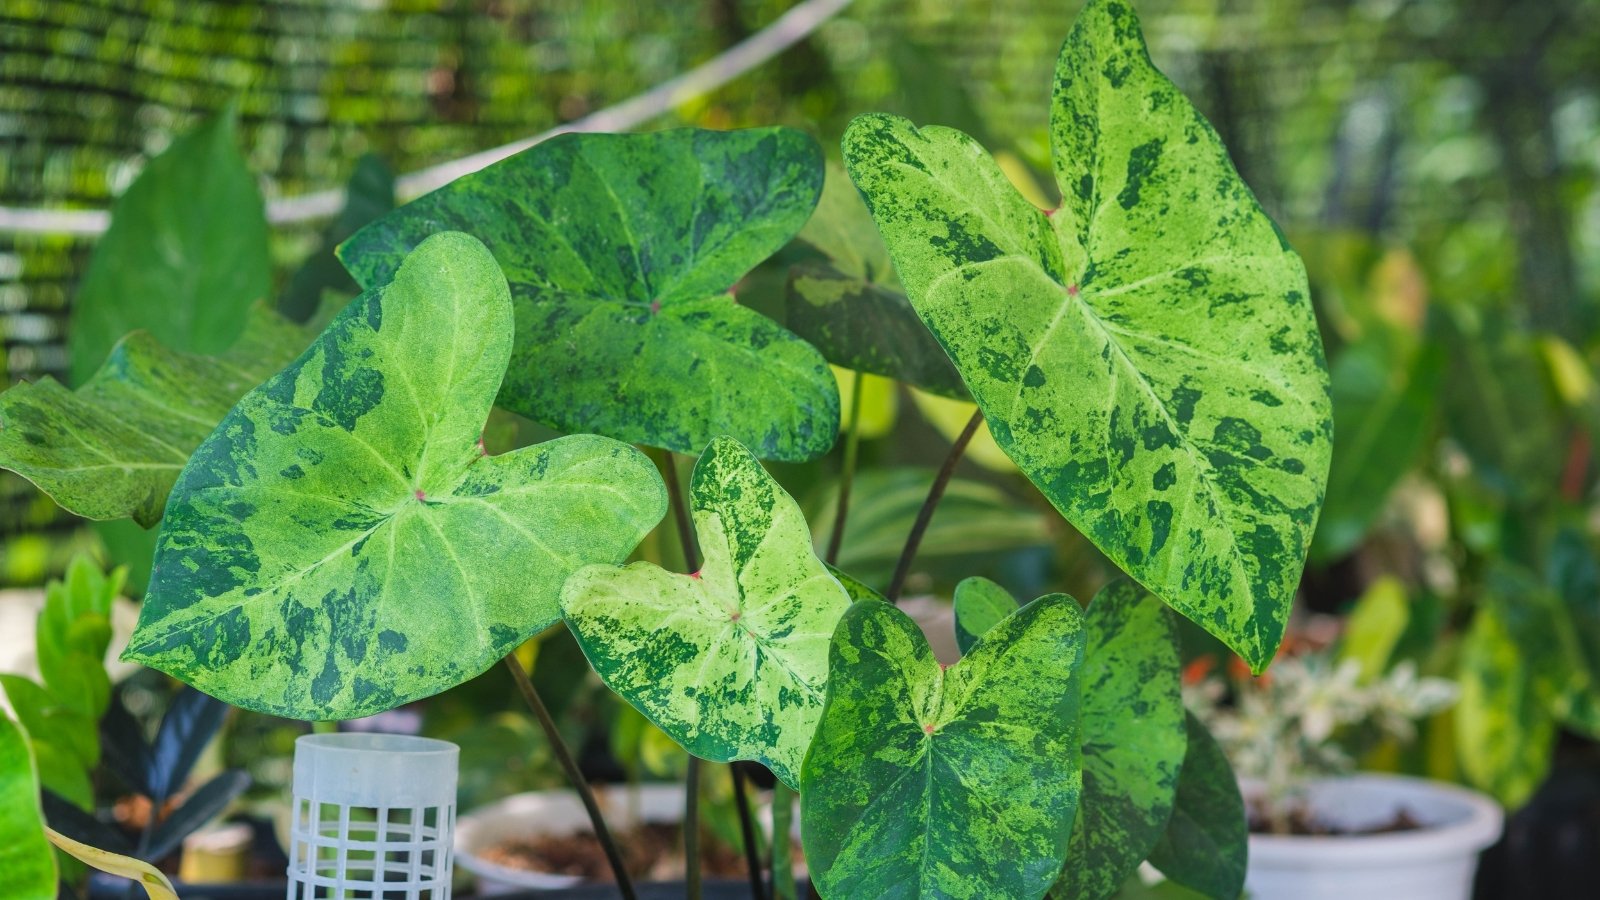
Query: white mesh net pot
x=373, y=817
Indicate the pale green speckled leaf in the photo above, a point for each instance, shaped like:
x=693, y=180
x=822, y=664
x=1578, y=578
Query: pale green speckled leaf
x=1133, y=739
x=27, y=864
x=622, y=251
x=113, y=447
x=1207, y=841
x=958, y=783
x=1147, y=352
x=731, y=662
x=979, y=605
x=341, y=544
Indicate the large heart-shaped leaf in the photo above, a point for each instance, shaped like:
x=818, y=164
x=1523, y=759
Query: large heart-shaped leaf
x=340, y=544
x=113, y=447
x=1133, y=739
x=622, y=251
x=852, y=307
x=1207, y=839
x=185, y=256
x=962, y=783
x=1146, y=353
x=732, y=661
x=27, y=865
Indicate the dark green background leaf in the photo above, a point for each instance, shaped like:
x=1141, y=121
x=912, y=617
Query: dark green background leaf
x=1207, y=840
x=368, y=195
x=185, y=256
x=622, y=251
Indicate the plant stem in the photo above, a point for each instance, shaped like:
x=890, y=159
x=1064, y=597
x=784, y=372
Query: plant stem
x=574, y=775
x=747, y=831
x=847, y=474
x=691, y=801
x=783, y=886
x=925, y=515
x=691, y=829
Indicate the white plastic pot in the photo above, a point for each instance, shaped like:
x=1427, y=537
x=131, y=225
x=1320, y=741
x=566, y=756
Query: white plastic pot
x=553, y=813
x=1435, y=862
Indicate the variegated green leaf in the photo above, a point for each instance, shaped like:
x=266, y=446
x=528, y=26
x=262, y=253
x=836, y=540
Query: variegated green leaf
x=852, y=307
x=958, y=783
x=1207, y=839
x=185, y=256
x=27, y=865
x=1504, y=723
x=731, y=661
x=341, y=544
x=1133, y=739
x=980, y=604
x=113, y=447
x=1146, y=353
x=622, y=251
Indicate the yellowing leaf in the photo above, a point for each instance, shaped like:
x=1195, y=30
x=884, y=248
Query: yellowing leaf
x=156, y=886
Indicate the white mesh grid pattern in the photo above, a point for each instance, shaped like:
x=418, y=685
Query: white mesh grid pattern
x=370, y=853
x=373, y=818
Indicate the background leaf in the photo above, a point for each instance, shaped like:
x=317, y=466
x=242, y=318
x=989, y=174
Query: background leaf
x=953, y=783
x=206, y=803
x=622, y=251
x=980, y=604
x=1382, y=413
x=1207, y=839
x=973, y=519
x=27, y=867
x=1503, y=725
x=1133, y=739
x=185, y=256
x=340, y=545
x=731, y=662
x=368, y=195
x=1149, y=360
x=191, y=722
x=113, y=447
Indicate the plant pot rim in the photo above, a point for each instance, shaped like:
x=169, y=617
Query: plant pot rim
x=657, y=802
x=1475, y=823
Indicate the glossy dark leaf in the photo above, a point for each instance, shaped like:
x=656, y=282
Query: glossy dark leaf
x=63, y=816
x=124, y=749
x=191, y=721
x=206, y=803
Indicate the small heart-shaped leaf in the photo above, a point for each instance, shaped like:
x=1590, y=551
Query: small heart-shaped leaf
x=979, y=605
x=926, y=782
x=1146, y=353
x=622, y=251
x=1133, y=739
x=731, y=662
x=341, y=545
